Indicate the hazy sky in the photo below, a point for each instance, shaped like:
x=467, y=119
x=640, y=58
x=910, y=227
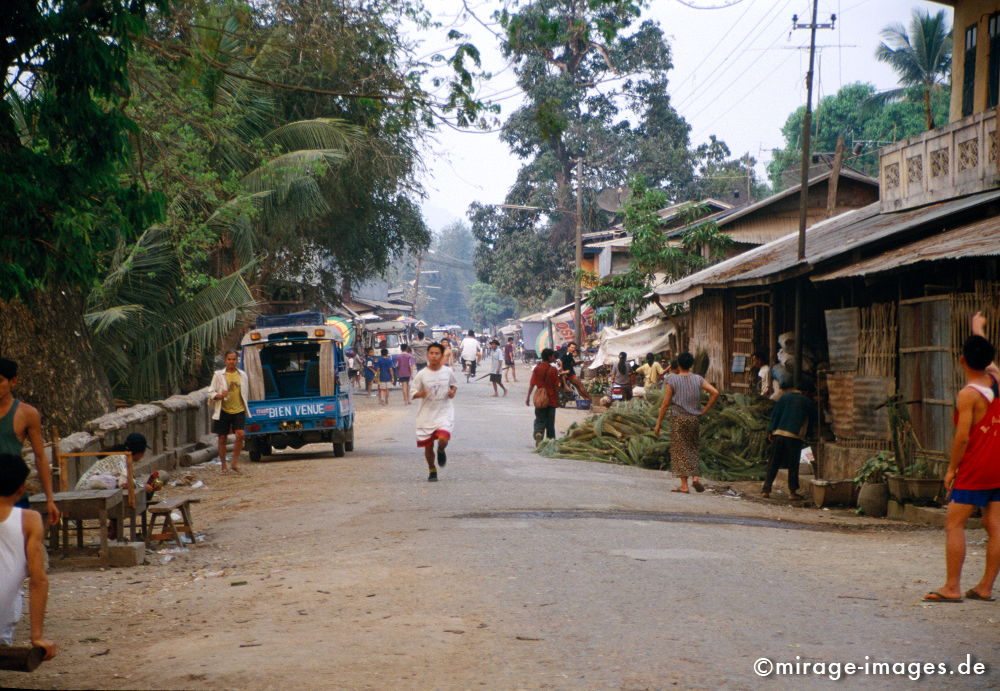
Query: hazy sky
x=738, y=73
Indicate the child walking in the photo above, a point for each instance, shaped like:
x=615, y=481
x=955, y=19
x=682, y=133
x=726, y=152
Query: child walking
x=435, y=386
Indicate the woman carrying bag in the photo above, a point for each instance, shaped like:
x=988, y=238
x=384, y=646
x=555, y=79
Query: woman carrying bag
x=545, y=385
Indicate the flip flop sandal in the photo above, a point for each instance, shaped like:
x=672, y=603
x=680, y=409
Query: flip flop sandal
x=935, y=596
x=973, y=595
x=698, y=487
x=680, y=491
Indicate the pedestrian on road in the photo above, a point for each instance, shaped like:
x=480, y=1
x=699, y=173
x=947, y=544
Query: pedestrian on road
x=792, y=417
x=568, y=369
x=384, y=374
x=22, y=556
x=448, y=359
x=621, y=376
x=405, y=365
x=229, y=408
x=494, y=364
x=973, y=475
x=369, y=370
x=508, y=360
x=353, y=370
x=544, y=378
x=471, y=352
x=419, y=350
x=682, y=396
x=19, y=422
x=435, y=386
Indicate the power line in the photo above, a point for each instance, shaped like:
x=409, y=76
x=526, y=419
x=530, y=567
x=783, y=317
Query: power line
x=697, y=94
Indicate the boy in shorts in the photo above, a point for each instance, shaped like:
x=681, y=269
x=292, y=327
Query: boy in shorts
x=973, y=476
x=405, y=364
x=435, y=386
x=230, y=409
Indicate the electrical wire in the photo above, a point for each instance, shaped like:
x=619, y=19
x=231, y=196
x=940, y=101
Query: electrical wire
x=687, y=3
x=711, y=52
x=697, y=94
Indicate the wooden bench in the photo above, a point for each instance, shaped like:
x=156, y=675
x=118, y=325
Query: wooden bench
x=171, y=529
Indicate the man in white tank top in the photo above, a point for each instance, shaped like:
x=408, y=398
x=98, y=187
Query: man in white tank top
x=22, y=556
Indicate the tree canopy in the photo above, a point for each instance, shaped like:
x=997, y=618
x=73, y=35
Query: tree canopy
x=866, y=124
x=594, y=78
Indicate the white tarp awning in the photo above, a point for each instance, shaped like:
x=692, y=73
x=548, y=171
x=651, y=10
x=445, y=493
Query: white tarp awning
x=650, y=336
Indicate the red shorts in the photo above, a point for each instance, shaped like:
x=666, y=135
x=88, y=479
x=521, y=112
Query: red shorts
x=436, y=434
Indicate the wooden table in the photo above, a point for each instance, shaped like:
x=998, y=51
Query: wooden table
x=79, y=505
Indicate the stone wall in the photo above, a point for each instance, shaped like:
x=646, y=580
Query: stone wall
x=178, y=430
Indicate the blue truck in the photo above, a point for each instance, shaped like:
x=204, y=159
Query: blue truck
x=299, y=392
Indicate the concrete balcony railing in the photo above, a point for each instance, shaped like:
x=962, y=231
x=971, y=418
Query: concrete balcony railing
x=951, y=161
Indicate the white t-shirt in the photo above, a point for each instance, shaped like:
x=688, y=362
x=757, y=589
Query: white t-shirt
x=470, y=348
x=495, y=361
x=436, y=411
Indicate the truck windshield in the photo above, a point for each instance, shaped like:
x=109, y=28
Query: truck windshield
x=390, y=340
x=290, y=369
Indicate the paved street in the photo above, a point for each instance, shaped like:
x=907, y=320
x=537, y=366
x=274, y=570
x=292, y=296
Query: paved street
x=512, y=572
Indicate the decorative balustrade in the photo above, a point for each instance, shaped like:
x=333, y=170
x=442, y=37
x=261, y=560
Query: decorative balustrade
x=947, y=162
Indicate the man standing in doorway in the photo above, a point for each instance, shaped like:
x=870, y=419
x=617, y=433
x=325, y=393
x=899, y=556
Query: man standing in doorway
x=229, y=396
x=19, y=422
x=470, y=352
x=791, y=419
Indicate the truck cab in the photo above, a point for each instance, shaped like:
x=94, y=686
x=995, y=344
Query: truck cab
x=298, y=388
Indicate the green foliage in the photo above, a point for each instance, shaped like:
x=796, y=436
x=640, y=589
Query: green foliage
x=63, y=139
x=594, y=79
x=487, y=307
x=654, y=253
x=921, y=58
x=855, y=113
x=451, y=256
x=153, y=340
x=873, y=470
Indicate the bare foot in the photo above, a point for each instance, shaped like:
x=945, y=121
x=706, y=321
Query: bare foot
x=225, y=471
x=237, y=470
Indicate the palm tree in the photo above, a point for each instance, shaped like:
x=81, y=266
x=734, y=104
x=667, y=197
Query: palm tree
x=921, y=57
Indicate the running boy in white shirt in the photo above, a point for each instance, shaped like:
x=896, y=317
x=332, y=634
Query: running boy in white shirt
x=435, y=386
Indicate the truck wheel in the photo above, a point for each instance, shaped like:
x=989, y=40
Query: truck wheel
x=349, y=445
x=254, y=453
x=338, y=449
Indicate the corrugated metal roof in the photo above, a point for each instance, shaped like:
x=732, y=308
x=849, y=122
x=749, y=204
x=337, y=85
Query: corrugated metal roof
x=825, y=240
x=726, y=217
x=980, y=239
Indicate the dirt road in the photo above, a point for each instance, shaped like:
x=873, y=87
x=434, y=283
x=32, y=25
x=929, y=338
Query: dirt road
x=512, y=572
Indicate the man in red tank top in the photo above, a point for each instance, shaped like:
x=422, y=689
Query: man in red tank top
x=973, y=477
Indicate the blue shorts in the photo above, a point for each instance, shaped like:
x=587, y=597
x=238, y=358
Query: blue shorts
x=976, y=497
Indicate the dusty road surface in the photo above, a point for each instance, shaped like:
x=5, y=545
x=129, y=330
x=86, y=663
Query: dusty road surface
x=512, y=572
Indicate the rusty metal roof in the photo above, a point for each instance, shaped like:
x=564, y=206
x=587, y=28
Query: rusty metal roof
x=826, y=241
x=980, y=239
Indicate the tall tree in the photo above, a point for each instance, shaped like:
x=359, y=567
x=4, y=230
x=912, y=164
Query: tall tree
x=446, y=293
x=594, y=77
x=63, y=141
x=921, y=57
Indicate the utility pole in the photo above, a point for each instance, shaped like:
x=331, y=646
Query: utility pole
x=577, y=287
x=805, y=164
x=416, y=283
